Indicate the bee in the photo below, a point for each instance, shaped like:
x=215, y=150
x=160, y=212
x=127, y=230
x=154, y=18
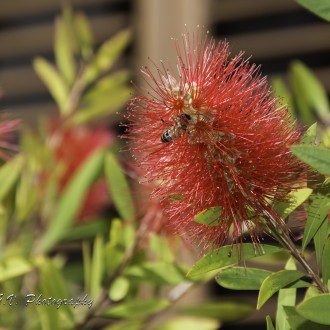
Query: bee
x=175, y=131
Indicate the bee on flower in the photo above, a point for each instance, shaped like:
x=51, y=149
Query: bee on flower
x=213, y=134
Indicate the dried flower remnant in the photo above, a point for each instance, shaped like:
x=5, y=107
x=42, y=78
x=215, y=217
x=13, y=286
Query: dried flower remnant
x=72, y=146
x=8, y=137
x=213, y=135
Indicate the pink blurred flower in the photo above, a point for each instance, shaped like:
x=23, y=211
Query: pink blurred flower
x=72, y=146
x=8, y=137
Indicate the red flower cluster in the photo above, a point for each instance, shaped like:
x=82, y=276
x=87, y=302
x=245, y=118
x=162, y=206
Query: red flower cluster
x=211, y=135
x=72, y=146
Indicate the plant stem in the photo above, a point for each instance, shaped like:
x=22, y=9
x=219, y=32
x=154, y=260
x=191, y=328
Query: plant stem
x=284, y=239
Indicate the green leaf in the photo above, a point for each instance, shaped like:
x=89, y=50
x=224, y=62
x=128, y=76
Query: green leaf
x=241, y=278
x=87, y=262
x=316, y=157
x=269, y=323
x=119, y=288
x=114, y=256
x=126, y=325
x=87, y=230
x=108, y=84
x=116, y=236
x=156, y=272
x=227, y=311
x=317, y=214
x=309, y=137
x=318, y=7
x=71, y=200
x=64, y=52
x=275, y=282
x=160, y=246
x=297, y=322
x=326, y=262
x=320, y=239
x=227, y=256
x=286, y=297
x=139, y=308
x=102, y=106
x=97, y=266
x=281, y=90
x=9, y=173
x=14, y=266
x=84, y=35
x=191, y=323
x=210, y=216
x=316, y=309
x=27, y=195
x=106, y=56
x=54, y=82
x=56, y=288
x=297, y=197
x=310, y=95
x=119, y=188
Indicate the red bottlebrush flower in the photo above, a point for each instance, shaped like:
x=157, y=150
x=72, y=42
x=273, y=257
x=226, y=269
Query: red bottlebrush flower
x=212, y=135
x=8, y=132
x=72, y=146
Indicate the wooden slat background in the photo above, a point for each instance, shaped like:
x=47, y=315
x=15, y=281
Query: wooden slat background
x=274, y=32
x=26, y=31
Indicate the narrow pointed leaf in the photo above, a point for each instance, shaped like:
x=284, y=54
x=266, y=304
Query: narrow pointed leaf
x=297, y=322
x=54, y=82
x=326, y=262
x=97, y=266
x=64, y=52
x=71, y=200
x=316, y=309
x=320, y=239
x=284, y=209
x=310, y=135
x=102, y=106
x=105, y=86
x=242, y=278
x=275, y=282
x=191, y=323
x=227, y=256
x=286, y=297
x=310, y=95
x=269, y=323
x=56, y=288
x=318, y=7
x=9, y=173
x=318, y=211
x=140, y=308
x=107, y=55
x=209, y=217
x=226, y=311
x=84, y=35
x=316, y=157
x=87, y=262
x=119, y=188
x=282, y=91
x=14, y=266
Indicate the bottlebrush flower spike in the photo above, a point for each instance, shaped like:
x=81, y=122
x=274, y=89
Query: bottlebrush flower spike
x=213, y=135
